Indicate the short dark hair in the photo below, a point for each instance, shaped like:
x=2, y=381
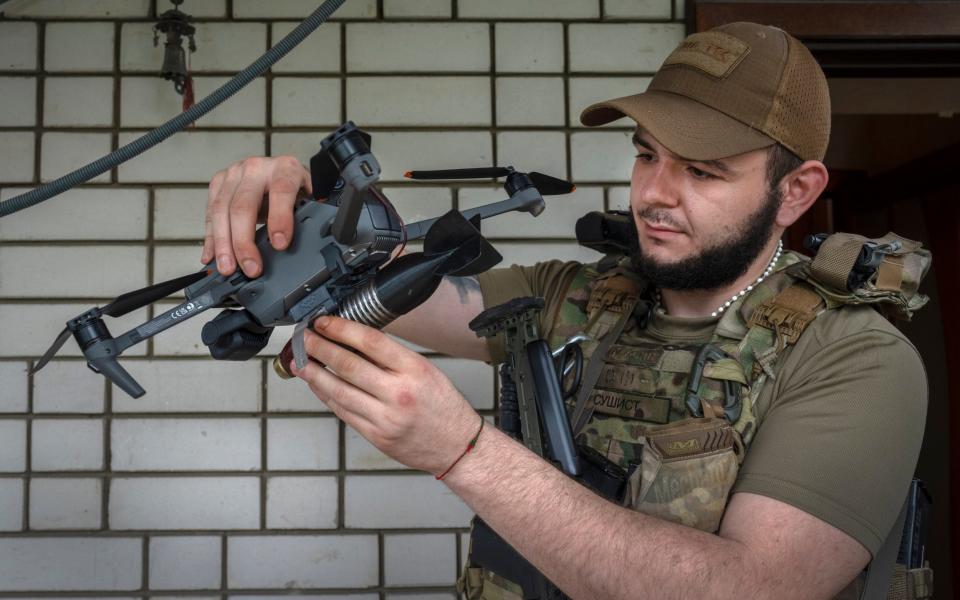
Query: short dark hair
x=780, y=162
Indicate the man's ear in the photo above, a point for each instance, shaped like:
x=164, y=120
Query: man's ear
x=800, y=189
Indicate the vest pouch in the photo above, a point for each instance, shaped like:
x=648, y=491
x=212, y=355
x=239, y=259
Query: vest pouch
x=852, y=269
x=686, y=472
x=470, y=582
x=478, y=584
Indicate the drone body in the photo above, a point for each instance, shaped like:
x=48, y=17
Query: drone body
x=292, y=283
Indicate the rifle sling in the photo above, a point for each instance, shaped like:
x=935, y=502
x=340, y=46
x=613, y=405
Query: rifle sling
x=581, y=412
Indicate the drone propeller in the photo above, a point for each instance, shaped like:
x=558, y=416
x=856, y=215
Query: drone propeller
x=53, y=349
x=475, y=173
x=144, y=296
x=551, y=186
x=545, y=184
x=125, y=303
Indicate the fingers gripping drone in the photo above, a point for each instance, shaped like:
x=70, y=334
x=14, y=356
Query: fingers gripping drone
x=338, y=263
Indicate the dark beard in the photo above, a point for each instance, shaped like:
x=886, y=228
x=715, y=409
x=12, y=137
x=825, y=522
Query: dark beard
x=718, y=265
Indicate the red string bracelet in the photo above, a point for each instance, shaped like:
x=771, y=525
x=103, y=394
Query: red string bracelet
x=470, y=446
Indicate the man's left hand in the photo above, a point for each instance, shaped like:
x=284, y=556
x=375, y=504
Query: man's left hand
x=392, y=396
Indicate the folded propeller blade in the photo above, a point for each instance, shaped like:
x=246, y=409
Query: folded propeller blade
x=57, y=344
x=142, y=297
x=550, y=186
x=477, y=173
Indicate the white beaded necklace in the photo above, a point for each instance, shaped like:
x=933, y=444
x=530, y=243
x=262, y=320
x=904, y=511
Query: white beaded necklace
x=766, y=273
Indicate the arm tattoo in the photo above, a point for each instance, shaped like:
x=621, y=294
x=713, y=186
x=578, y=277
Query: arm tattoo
x=465, y=286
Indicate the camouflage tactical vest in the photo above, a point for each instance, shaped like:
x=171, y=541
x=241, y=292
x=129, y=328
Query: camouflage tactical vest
x=682, y=467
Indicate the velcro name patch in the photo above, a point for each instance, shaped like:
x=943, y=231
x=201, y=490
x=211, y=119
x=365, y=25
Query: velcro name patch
x=713, y=52
x=632, y=406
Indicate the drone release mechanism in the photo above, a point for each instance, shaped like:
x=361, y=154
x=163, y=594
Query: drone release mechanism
x=453, y=246
x=337, y=263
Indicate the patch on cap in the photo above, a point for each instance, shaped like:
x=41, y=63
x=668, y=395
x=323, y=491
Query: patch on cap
x=713, y=52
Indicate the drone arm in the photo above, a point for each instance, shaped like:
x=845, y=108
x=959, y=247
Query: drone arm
x=102, y=355
x=344, y=228
x=525, y=200
x=348, y=150
x=176, y=315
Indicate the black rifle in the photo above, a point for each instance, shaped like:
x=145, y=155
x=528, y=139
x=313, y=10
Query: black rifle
x=531, y=405
x=530, y=378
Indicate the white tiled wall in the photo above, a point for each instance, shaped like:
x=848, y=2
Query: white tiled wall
x=178, y=563
x=62, y=503
x=20, y=101
x=225, y=481
x=72, y=563
x=417, y=47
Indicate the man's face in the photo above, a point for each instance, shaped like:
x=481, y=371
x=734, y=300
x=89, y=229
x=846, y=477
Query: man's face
x=701, y=224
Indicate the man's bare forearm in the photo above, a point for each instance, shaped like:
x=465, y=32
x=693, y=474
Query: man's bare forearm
x=589, y=547
x=441, y=323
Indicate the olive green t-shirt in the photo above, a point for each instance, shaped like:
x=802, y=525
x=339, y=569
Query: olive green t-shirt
x=842, y=422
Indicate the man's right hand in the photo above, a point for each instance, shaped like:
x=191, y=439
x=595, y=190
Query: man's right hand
x=235, y=203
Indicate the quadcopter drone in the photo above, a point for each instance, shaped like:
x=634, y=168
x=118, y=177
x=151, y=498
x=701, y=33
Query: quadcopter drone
x=338, y=263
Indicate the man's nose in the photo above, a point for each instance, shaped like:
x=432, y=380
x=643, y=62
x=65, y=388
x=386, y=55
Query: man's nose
x=657, y=186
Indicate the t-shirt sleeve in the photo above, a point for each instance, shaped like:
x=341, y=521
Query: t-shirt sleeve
x=549, y=280
x=842, y=432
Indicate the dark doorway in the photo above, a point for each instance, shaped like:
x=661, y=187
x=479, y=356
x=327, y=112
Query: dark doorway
x=894, y=157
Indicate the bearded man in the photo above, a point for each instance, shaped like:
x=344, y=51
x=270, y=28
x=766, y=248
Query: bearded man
x=789, y=495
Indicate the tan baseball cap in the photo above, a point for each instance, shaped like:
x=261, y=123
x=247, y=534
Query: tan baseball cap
x=735, y=88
